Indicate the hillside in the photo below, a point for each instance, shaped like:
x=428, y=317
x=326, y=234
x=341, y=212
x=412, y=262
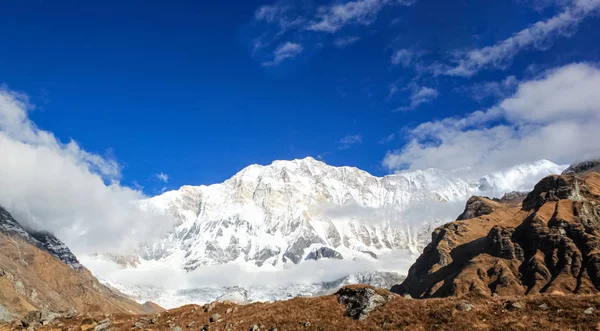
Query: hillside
x=363, y=308
x=549, y=243
x=38, y=273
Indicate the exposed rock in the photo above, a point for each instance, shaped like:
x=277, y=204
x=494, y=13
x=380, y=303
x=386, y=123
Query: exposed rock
x=476, y=206
x=512, y=197
x=209, y=307
x=589, y=311
x=88, y=324
x=582, y=167
x=549, y=243
x=324, y=253
x=214, y=318
x=254, y=328
x=543, y=306
x=5, y=315
x=359, y=301
x=103, y=325
x=32, y=318
x=513, y=305
x=464, y=307
x=56, y=247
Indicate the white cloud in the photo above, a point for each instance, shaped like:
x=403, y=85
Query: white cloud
x=538, y=35
x=345, y=41
x=162, y=177
x=403, y=57
x=59, y=187
x=554, y=117
x=285, y=51
x=214, y=280
x=349, y=141
x=420, y=95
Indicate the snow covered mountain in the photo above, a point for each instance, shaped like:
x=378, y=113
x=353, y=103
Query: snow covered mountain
x=291, y=212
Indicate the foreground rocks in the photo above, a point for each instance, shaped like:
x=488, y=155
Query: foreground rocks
x=549, y=243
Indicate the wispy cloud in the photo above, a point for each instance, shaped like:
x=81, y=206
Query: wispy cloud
x=345, y=41
x=554, y=117
x=285, y=51
x=332, y=18
x=403, y=57
x=387, y=139
x=538, y=35
x=162, y=177
x=284, y=16
x=350, y=140
x=419, y=96
x=487, y=90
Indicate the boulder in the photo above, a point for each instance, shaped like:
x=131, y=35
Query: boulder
x=360, y=301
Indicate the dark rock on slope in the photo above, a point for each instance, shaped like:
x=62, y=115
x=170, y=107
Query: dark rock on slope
x=41, y=239
x=549, y=243
x=582, y=167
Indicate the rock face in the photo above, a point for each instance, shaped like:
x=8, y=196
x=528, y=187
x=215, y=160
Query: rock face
x=549, y=243
x=324, y=253
x=43, y=240
x=40, y=274
x=582, y=167
x=360, y=301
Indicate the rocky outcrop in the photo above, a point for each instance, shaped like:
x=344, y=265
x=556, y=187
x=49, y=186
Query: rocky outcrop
x=41, y=239
x=582, y=167
x=360, y=301
x=549, y=243
x=39, y=276
x=324, y=253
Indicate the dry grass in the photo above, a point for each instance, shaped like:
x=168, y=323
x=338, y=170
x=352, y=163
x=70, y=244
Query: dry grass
x=562, y=312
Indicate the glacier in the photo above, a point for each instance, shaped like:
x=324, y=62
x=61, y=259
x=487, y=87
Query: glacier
x=290, y=218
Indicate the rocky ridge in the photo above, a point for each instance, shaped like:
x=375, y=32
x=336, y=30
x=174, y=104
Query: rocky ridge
x=548, y=243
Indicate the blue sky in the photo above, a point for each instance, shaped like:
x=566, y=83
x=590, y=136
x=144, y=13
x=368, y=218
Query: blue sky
x=198, y=90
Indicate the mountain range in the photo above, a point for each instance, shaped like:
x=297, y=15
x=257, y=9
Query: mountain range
x=274, y=218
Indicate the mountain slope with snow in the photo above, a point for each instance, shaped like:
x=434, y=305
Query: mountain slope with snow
x=272, y=218
x=293, y=210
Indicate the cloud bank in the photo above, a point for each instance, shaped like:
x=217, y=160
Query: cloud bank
x=60, y=187
x=554, y=117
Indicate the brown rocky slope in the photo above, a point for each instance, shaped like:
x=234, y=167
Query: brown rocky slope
x=548, y=243
x=40, y=276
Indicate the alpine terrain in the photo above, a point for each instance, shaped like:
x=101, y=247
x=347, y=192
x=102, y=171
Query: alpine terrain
x=40, y=279
x=527, y=261
x=276, y=218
